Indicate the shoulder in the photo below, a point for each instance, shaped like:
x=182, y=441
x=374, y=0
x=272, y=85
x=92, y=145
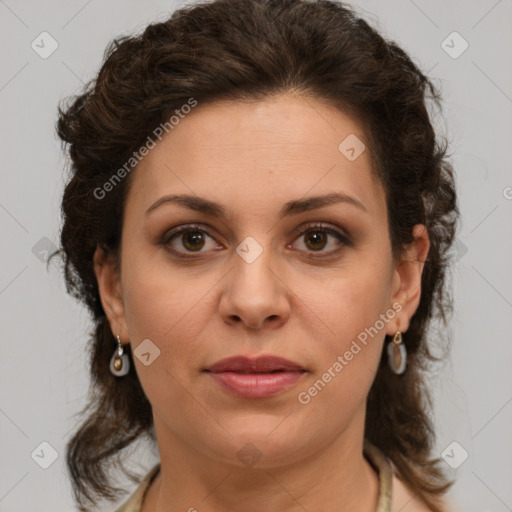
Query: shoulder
x=395, y=494
x=135, y=501
x=404, y=500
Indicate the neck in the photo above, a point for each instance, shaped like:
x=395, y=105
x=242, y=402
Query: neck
x=336, y=477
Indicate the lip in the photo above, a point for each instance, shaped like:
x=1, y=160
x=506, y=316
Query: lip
x=260, y=377
x=262, y=364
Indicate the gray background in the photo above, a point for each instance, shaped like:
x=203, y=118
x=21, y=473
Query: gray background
x=43, y=365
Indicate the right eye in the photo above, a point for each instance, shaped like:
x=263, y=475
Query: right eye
x=191, y=238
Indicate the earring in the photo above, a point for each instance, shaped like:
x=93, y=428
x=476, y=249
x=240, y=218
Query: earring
x=120, y=363
x=397, y=354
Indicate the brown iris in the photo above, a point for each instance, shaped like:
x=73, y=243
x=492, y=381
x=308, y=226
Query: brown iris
x=319, y=240
x=193, y=240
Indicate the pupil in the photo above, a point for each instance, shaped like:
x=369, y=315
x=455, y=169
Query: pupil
x=196, y=237
x=318, y=239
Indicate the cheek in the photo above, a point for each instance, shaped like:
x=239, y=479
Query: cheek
x=353, y=304
x=154, y=297
x=348, y=356
x=169, y=308
x=158, y=309
x=354, y=299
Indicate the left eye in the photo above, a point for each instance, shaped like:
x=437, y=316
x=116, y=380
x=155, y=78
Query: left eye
x=316, y=238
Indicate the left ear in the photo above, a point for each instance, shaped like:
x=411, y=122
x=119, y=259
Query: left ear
x=407, y=279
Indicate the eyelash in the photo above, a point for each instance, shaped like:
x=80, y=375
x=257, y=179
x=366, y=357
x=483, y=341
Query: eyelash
x=194, y=228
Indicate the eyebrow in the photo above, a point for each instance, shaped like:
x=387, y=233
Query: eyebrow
x=202, y=205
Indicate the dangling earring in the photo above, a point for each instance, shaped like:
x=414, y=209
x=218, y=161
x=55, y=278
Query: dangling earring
x=120, y=363
x=397, y=355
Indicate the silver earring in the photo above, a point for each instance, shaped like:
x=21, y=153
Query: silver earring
x=120, y=363
x=397, y=354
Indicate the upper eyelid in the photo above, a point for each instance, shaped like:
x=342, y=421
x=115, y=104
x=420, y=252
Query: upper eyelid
x=304, y=226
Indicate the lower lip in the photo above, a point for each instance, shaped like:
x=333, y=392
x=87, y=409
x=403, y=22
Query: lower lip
x=256, y=385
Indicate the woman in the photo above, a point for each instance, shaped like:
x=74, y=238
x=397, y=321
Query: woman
x=258, y=219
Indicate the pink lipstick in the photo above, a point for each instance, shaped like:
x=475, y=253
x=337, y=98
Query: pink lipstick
x=261, y=377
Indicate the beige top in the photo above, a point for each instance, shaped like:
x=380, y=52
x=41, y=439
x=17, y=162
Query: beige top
x=376, y=458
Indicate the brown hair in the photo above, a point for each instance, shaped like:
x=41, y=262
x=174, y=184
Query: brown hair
x=248, y=50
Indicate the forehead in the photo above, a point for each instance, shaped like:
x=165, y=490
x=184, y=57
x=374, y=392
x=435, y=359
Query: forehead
x=260, y=153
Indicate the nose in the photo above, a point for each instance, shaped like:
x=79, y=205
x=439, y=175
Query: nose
x=255, y=294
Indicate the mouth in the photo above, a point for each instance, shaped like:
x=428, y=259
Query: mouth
x=262, y=364
x=262, y=377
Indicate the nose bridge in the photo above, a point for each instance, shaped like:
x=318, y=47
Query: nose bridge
x=254, y=292
x=253, y=263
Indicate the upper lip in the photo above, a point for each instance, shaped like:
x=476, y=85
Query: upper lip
x=262, y=364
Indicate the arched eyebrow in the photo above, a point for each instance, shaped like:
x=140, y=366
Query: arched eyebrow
x=203, y=205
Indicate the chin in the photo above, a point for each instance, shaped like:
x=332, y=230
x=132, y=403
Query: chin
x=262, y=444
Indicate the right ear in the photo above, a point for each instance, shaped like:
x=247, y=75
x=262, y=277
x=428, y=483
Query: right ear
x=109, y=287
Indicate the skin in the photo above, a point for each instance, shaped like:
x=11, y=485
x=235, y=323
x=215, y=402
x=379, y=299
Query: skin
x=252, y=157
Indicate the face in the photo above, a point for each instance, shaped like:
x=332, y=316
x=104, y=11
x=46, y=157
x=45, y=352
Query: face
x=313, y=282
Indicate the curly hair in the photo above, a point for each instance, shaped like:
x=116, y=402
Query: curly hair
x=249, y=50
